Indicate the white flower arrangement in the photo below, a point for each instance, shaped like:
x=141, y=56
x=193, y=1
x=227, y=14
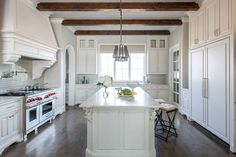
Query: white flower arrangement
x=105, y=81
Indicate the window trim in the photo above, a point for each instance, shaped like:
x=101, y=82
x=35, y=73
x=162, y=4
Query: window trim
x=144, y=61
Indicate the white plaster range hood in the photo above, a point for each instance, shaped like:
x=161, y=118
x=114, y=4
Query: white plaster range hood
x=25, y=32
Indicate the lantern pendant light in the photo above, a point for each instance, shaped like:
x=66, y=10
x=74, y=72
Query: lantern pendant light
x=121, y=53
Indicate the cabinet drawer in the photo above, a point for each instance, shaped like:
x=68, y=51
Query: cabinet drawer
x=10, y=106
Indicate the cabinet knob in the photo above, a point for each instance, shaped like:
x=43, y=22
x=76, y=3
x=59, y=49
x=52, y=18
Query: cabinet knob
x=217, y=32
x=11, y=116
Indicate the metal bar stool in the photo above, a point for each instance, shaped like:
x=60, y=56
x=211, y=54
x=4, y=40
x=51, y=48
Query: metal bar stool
x=164, y=128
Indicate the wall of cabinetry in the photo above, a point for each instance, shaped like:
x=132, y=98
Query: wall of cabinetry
x=211, y=22
x=211, y=74
x=87, y=56
x=10, y=122
x=210, y=83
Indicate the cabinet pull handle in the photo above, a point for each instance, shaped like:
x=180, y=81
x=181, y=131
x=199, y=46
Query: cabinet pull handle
x=11, y=116
x=206, y=87
x=215, y=32
x=203, y=87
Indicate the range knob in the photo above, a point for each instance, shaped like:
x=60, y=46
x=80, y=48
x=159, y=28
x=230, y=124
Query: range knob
x=30, y=100
x=39, y=98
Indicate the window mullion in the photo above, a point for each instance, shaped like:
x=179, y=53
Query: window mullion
x=114, y=69
x=129, y=68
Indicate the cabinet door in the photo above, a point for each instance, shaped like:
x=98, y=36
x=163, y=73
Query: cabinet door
x=217, y=105
x=81, y=61
x=91, y=61
x=3, y=127
x=163, y=61
x=9, y=124
x=194, y=30
x=13, y=123
x=225, y=16
x=201, y=27
x=81, y=95
x=212, y=13
x=197, y=71
x=152, y=61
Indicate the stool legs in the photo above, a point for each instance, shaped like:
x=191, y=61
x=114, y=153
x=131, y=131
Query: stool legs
x=166, y=126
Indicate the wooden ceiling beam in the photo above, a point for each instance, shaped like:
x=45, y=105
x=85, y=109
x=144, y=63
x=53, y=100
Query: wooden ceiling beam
x=124, y=32
x=149, y=6
x=161, y=22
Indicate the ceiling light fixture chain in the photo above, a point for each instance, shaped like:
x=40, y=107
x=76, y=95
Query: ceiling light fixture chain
x=121, y=42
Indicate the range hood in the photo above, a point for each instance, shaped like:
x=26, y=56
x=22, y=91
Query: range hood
x=25, y=32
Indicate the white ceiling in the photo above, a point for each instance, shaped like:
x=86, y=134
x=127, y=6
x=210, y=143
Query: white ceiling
x=115, y=15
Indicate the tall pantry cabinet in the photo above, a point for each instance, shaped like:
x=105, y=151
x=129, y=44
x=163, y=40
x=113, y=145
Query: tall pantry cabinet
x=209, y=85
x=210, y=41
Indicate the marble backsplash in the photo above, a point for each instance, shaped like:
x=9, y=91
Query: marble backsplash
x=21, y=79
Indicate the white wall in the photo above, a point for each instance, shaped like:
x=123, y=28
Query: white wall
x=175, y=36
x=54, y=76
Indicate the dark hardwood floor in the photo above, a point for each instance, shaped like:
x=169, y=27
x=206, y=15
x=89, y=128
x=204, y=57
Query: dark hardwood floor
x=66, y=137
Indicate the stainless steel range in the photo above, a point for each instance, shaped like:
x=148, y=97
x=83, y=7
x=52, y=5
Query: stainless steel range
x=39, y=107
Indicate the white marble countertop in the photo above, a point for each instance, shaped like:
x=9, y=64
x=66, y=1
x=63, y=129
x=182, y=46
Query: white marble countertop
x=142, y=99
x=6, y=99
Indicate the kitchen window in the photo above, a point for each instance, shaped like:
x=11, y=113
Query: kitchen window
x=132, y=70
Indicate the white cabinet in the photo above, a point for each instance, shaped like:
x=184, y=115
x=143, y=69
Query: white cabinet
x=60, y=106
x=218, y=18
x=86, y=57
x=197, y=75
x=10, y=123
x=211, y=22
x=91, y=61
x=158, y=56
x=210, y=86
x=158, y=61
x=157, y=91
x=197, y=28
x=84, y=91
x=201, y=27
x=193, y=31
x=225, y=16
x=81, y=61
x=217, y=85
x=86, y=61
x=212, y=13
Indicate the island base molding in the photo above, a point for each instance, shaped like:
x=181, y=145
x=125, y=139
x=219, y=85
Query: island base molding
x=120, y=154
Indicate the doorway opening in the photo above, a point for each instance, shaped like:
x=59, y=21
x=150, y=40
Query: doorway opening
x=69, y=76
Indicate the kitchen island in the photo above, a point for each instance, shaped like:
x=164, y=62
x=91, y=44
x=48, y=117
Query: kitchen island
x=120, y=126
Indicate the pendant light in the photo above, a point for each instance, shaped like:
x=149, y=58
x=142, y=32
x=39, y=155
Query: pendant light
x=121, y=53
